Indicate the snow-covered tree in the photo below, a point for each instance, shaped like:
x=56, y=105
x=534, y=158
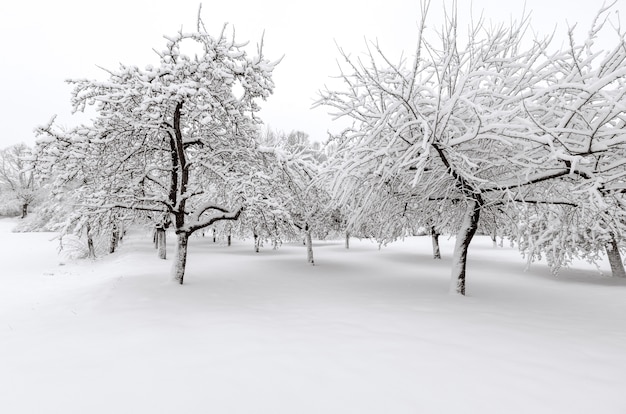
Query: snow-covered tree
x=432, y=129
x=465, y=128
x=17, y=179
x=580, y=115
x=300, y=202
x=176, y=138
x=71, y=206
x=308, y=200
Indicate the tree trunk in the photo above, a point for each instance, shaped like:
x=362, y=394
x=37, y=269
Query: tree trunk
x=115, y=239
x=615, y=258
x=463, y=239
x=228, y=240
x=24, y=210
x=214, y=237
x=494, y=236
x=257, y=242
x=347, y=244
x=91, y=251
x=435, y=239
x=309, y=245
x=181, y=257
x=161, y=242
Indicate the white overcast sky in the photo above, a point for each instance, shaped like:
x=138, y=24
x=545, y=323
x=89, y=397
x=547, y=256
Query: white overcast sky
x=48, y=41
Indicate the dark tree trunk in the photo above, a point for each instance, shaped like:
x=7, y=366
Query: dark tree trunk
x=309, y=245
x=179, y=181
x=347, y=243
x=181, y=257
x=615, y=258
x=161, y=242
x=257, y=242
x=214, y=237
x=469, y=224
x=24, y=210
x=115, y=239
x=463, y=239
x=91, y=251
x=434, y=234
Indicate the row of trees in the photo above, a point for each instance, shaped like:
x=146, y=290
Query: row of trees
x=491, y=132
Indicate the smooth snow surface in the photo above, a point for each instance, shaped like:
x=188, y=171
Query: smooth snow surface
x=363, y=331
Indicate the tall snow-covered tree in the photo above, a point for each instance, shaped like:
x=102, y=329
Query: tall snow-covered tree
x=580, y=114
x=433, y=129
x=175, y=138
x=461, y=125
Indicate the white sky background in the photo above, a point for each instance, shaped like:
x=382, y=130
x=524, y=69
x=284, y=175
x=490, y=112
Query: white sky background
x=48, y=41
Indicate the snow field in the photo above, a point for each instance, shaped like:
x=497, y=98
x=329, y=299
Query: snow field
x=363, y=331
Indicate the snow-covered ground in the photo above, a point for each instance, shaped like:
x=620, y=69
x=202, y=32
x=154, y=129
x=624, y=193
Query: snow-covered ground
x=363, y=331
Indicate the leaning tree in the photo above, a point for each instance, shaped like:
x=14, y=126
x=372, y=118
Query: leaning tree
x=175, y=138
